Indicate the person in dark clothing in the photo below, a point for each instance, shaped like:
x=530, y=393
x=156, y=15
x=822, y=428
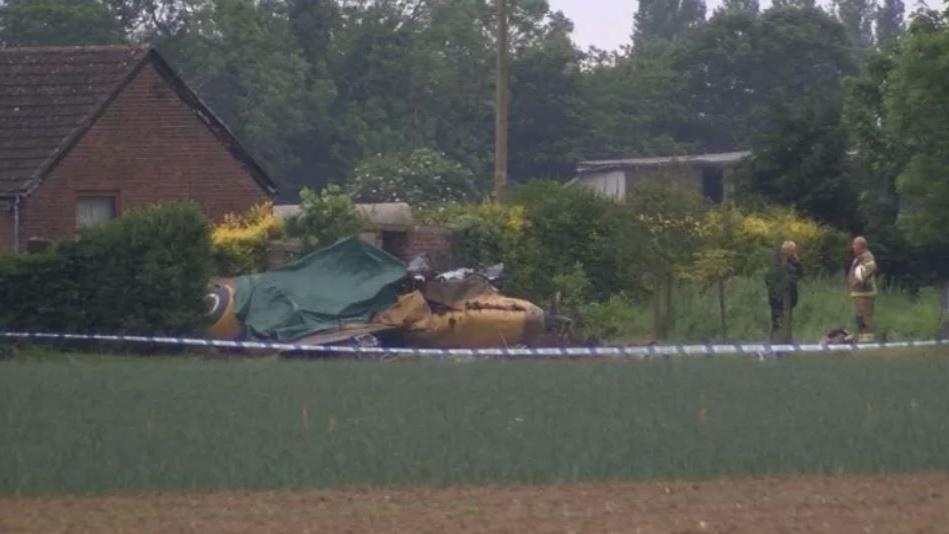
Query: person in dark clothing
x=781, y=280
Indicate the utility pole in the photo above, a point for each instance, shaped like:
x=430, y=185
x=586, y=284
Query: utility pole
x=501, y=104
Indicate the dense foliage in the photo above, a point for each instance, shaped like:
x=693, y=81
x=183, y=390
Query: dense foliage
x=840, y=104
x=417, y=177
x=145, y=273
x=317, y=88
x=242, y=242
x=568, y=248
x=324, y=218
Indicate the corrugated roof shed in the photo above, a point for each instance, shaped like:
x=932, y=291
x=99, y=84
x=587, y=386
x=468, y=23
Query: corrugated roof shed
x=49, y=95
x=719, y=159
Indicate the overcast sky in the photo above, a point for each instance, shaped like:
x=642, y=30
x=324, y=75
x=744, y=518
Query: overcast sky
x=608, y=24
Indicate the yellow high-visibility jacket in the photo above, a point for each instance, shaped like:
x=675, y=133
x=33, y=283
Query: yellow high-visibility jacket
x=868, y=286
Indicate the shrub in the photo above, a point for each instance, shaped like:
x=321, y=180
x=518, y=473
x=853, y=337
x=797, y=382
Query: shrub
x=484, y=234
x=147, y=272
x=241, y=242
x=822, y=249
x=567, y=226
x=324, y=218
x=417, y=177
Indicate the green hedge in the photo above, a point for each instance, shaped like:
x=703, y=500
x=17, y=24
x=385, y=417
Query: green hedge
x=147, y=272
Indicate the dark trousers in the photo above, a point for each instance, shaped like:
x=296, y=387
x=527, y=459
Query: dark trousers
x=777, y=321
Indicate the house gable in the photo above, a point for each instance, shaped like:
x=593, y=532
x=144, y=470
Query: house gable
x=147, y=144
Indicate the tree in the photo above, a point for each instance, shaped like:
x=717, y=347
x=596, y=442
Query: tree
x=799, y=144
x=739, y=6
x=418, y=177
x=667, y=20
x=725, y=67
x=917, y=106
x=58, y=23
x=545, y=101
x=242, y=58
x=877, y=160
x=916, y=101
x=800, y=162
x=857, y=18
x=633, y=104
x=889, y=21
x=800, y=4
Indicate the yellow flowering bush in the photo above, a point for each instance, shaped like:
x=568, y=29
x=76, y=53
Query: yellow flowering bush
x=773, y=227
x=240, y=243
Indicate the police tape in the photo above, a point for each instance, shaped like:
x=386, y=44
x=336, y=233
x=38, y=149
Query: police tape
x=642, y=352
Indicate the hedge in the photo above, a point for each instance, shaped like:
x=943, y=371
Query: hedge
x=144, y=273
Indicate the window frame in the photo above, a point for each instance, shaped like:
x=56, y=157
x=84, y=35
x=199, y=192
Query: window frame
x=90, y=194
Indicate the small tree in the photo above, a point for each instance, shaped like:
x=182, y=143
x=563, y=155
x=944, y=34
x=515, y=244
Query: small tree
x=324, y=218
x=673, y=218
x=724, y=254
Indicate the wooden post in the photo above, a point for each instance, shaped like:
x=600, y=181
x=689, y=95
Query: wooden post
x=501, y=104
x=721, y=282
x=944, y=332
x=667, y=319
x=721, y=309
x=657, y=313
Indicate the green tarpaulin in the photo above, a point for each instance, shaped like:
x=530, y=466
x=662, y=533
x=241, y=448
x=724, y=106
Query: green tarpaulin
x=345, y=283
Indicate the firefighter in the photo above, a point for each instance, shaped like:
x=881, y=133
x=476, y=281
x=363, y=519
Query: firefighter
x=781, y=281
x=861, y=279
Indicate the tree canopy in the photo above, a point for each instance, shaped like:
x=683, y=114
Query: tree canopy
x=842, y=107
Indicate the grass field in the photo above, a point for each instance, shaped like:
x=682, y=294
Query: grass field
x=823, y=306
x=86, y=425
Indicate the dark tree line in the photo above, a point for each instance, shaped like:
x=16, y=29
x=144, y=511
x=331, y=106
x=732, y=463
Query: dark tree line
x=317, y=87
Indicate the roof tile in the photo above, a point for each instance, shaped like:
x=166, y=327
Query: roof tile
x=49, y=94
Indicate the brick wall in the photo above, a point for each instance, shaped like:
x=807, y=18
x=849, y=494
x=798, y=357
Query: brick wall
x=6, y=230
x=148, y=147
x=433, y=242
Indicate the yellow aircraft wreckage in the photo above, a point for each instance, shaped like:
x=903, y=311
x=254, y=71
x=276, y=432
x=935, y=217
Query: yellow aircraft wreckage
x=352, y=293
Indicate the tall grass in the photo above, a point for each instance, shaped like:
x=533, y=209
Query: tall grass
x=824, y=306
x=110, y=425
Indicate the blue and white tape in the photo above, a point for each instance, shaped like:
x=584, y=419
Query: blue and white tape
x=641, y=352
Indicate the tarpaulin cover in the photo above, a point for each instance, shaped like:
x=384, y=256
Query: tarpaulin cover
x=345, y=283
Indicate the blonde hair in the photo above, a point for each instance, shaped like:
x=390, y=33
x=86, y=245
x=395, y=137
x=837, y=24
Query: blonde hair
x=788, y=249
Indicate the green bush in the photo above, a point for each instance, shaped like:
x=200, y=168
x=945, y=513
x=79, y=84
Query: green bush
x=543, y=231
x=147, y=272
x=241, y=244
x=324, y=218
x=569, y=226
x=484, y=234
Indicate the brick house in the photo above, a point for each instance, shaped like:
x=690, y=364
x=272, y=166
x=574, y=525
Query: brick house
x=89, y=132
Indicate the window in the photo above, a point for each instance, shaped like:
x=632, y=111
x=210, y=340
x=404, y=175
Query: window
x=93, y=210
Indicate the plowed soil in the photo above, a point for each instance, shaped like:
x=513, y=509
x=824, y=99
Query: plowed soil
x=897, y=504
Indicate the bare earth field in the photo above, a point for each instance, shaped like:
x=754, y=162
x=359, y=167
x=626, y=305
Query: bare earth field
x=893, y=504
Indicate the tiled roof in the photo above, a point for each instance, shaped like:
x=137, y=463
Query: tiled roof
x=48, y=96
